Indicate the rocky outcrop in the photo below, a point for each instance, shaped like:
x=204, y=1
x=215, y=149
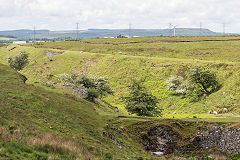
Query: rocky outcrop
x=165, y=139
x=161, y=139
x=220, y=139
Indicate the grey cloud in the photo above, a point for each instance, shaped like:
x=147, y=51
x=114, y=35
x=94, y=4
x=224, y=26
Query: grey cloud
x=63, y=14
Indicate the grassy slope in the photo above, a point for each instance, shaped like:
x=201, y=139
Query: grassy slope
x=154, y=61
x=51, y=124
x=56, y=124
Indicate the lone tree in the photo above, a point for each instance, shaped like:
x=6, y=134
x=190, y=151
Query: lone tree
x=140, y=101
x=204, y=79
x=18, y=62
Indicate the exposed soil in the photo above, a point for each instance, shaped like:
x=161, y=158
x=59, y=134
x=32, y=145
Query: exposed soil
x=88, y=64
x=53, y=54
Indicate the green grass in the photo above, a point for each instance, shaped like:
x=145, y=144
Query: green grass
x=50, y=123
x=155, y=62
x=57, y=124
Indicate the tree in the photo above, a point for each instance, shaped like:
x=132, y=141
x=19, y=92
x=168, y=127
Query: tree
x=204, y=79
x=140, y=101
x=18, y=62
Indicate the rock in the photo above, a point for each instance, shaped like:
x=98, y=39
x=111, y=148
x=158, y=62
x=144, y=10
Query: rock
x=174, y=112
x=158, y=153
x=105, y=133
x=215, y=112
x=225, y=110
x=81, y=51
x=210, y=112
x=161, y=139
x=119, y=52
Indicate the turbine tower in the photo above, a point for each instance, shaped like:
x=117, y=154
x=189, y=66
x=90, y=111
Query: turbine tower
x=200, y=28
x=174, y=30
x=170, y=27
x=34, y=34
x=77, y=31
x=224, y=27
x=130, y=29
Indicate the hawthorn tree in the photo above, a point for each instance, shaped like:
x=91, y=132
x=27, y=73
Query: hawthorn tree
x=204, y=79
x=140, y=101
x=18, y=62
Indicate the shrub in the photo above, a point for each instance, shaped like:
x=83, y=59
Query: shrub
x=96, y=86
x=204, y=80
x=176, y=83
x=141, y=102
x=18, y=62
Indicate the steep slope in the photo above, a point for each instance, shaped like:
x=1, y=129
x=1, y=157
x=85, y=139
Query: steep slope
x=47, y=123
x=35, y=116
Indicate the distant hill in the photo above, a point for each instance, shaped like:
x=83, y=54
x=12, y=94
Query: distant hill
x=101, y=33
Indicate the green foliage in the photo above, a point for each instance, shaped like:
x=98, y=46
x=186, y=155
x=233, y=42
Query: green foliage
x=18, y=62
x=13, y=150
x=174, y=83
x=96, y=86
x=141, y=102
x=205, y=80
x=177, y=85
x=108, y=156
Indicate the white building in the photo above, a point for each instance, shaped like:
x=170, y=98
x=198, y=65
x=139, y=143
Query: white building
x=19, y=42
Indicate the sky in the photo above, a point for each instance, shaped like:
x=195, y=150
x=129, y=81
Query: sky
x=118, y=14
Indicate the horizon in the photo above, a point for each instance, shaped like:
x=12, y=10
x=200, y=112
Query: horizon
x=217, y=16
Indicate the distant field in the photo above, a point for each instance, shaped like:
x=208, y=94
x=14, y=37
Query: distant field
x=153, y=47
x=6, y=38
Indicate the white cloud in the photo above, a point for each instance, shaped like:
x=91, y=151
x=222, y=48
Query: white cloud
x=63, y=14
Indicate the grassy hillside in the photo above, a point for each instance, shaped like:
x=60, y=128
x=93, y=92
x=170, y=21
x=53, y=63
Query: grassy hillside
x=153, y=60
x=40, y=121
x=39, y=124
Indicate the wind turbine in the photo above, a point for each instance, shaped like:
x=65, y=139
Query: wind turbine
x=174, y=30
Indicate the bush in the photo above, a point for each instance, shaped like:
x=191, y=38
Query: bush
x=18, y=62
x=141, y=102
x=95, y=86
x=204, y=80
x=176, y=83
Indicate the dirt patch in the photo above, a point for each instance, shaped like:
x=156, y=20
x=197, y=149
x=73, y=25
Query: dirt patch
x=200, y=54
x=88, y=64
x=53, y=54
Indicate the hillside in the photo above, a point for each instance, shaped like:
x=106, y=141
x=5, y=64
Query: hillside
x=48, y=121
x=101, y=33
x=37, y=123
x=40, y=123
x=155, y=61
